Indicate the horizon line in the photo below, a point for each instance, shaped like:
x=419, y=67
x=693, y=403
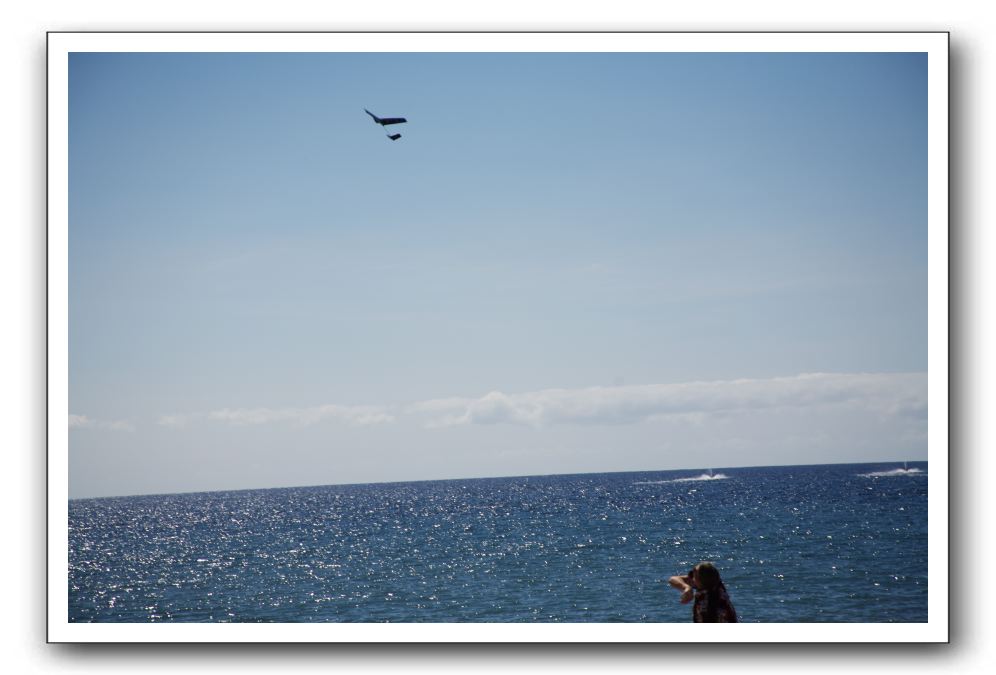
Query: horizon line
x=472, y=478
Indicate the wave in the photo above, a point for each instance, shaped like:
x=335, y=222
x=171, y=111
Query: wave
x=893, y=472
x=705, y=476
x=689, y=479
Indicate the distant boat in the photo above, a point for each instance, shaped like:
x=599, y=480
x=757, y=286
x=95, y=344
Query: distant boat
x=906, y=469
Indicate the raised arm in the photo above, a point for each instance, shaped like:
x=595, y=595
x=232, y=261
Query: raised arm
x=683, y=584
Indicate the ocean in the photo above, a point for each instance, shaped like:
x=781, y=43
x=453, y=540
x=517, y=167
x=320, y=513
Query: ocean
x=827, y=543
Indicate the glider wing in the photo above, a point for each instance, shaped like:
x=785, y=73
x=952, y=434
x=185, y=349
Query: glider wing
x=383, y=121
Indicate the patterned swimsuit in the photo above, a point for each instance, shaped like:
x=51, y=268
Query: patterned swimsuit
x=713, y=607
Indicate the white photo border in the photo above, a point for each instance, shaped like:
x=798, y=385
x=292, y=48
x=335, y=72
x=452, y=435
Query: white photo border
x=934, y=44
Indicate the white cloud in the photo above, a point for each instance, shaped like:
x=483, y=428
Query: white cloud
x=175, y=421
x=78, y=421
x=890, y=394
x=84, y=422
x=352, y=415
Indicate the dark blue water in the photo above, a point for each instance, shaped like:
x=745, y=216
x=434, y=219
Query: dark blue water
x=793, y=544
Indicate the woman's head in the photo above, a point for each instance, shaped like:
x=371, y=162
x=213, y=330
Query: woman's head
x=706, y=576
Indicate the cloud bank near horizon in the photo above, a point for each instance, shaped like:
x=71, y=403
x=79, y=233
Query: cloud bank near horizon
x=888, y=394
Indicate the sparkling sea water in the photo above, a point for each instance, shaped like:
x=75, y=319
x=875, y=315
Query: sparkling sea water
x=840, y=543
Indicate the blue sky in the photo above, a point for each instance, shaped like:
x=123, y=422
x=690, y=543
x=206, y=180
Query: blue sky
x=569, y=262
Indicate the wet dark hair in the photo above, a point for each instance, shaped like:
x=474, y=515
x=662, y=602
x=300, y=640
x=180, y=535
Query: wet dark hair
x=707, y=577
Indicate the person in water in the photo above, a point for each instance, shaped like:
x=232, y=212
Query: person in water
x=712, y=603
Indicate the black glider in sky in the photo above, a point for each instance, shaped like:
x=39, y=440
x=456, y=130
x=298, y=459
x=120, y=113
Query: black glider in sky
x=384, y=121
